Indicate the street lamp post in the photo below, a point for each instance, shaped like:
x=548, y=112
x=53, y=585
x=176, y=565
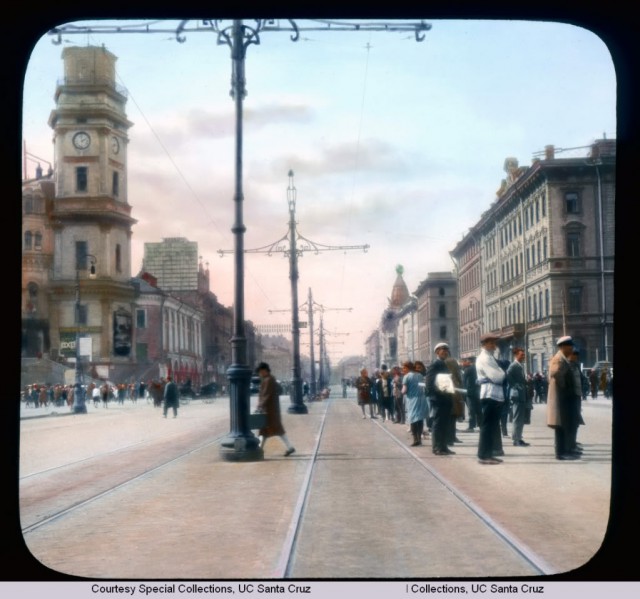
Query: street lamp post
x=240, y=445
x=79, y=403
x=297, y=405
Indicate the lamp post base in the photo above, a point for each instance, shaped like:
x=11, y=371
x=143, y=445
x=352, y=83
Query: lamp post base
x=297, y=408
x=241, y=449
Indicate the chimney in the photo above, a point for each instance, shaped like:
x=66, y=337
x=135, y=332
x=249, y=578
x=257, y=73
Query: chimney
x=603, y=147
x=549, y=152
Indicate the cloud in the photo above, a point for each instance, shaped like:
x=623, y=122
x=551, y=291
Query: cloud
x=198, y=125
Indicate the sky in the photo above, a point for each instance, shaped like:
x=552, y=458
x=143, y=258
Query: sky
x=394, y=144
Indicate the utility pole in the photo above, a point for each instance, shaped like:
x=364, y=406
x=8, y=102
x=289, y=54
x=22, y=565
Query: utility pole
x=311, y=306
x=240, y=444
x=297, y=245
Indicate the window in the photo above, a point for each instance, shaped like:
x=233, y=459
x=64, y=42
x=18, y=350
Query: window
x=118, y=258
x=546, y=302
x=528, y=260
x=540, y=304
x=32, y=298
x=141, y=318
x=544, y=205
x=533, y=255
x=142, y=352
x=37, y=240
x=28, y=205
x=442, y=310
x=519, y=225
x=81, y=255
x=115, y=184
x=81, y=178
x=28, y=240
x=544, y=248
x=539, y=252
x=573, y=244
x=575, y=300
x=443, y=332
x=537, y=210
x=441, y=291
x=572, y=202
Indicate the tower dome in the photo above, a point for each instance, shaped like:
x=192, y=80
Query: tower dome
x=400, y=292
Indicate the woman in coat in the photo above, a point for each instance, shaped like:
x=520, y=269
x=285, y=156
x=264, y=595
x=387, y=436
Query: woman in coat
x=415, y=401
x=364, y=387
x=269, y=403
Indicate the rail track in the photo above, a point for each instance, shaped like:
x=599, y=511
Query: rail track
x=357, y=502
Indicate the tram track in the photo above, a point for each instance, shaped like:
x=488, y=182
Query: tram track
x=146, y=474
x=540, y=565
x=354, y=501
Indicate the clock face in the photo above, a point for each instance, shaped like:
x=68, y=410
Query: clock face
x=81, y=140
x=115, y=145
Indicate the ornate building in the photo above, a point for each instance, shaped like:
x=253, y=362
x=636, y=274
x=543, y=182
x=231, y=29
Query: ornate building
x=91, y=216
x=545, y=254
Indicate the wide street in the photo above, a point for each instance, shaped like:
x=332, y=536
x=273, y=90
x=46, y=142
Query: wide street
x=123, y=492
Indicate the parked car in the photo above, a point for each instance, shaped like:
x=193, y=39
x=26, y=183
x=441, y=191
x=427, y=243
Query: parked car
x=254, y=386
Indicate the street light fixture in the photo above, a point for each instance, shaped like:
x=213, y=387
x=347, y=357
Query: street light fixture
x=79, y=403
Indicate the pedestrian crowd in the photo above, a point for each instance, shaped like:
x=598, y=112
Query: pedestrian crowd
x=102, y=393
x=487, y=392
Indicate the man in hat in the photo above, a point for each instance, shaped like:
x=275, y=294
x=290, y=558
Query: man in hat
x=518, y=395
x=562, y=413
x=490, y=378
x=440, y=401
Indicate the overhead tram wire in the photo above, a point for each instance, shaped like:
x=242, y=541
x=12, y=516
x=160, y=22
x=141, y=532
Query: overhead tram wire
x=356, y=160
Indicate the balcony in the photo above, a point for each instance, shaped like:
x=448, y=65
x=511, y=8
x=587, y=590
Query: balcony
x=514, y=330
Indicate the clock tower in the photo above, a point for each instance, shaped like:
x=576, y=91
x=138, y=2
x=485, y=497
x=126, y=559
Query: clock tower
x=91, y=290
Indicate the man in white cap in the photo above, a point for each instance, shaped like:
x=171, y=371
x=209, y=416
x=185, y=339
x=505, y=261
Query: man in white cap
x=562, y=415
x=440, y=401
x=490, y=379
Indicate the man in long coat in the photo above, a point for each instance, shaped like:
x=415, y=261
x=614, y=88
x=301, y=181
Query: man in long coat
x=561, y=400
x=441, y=401
x=171, y=397
x=269, y=403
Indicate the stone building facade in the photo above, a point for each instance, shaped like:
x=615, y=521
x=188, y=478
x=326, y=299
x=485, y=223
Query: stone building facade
x=91, y=216
x=545, y=249
x=437, y=314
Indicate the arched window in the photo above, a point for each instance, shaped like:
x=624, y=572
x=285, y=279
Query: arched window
x=37, y=240
x=118, y=258
x=28, y=240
